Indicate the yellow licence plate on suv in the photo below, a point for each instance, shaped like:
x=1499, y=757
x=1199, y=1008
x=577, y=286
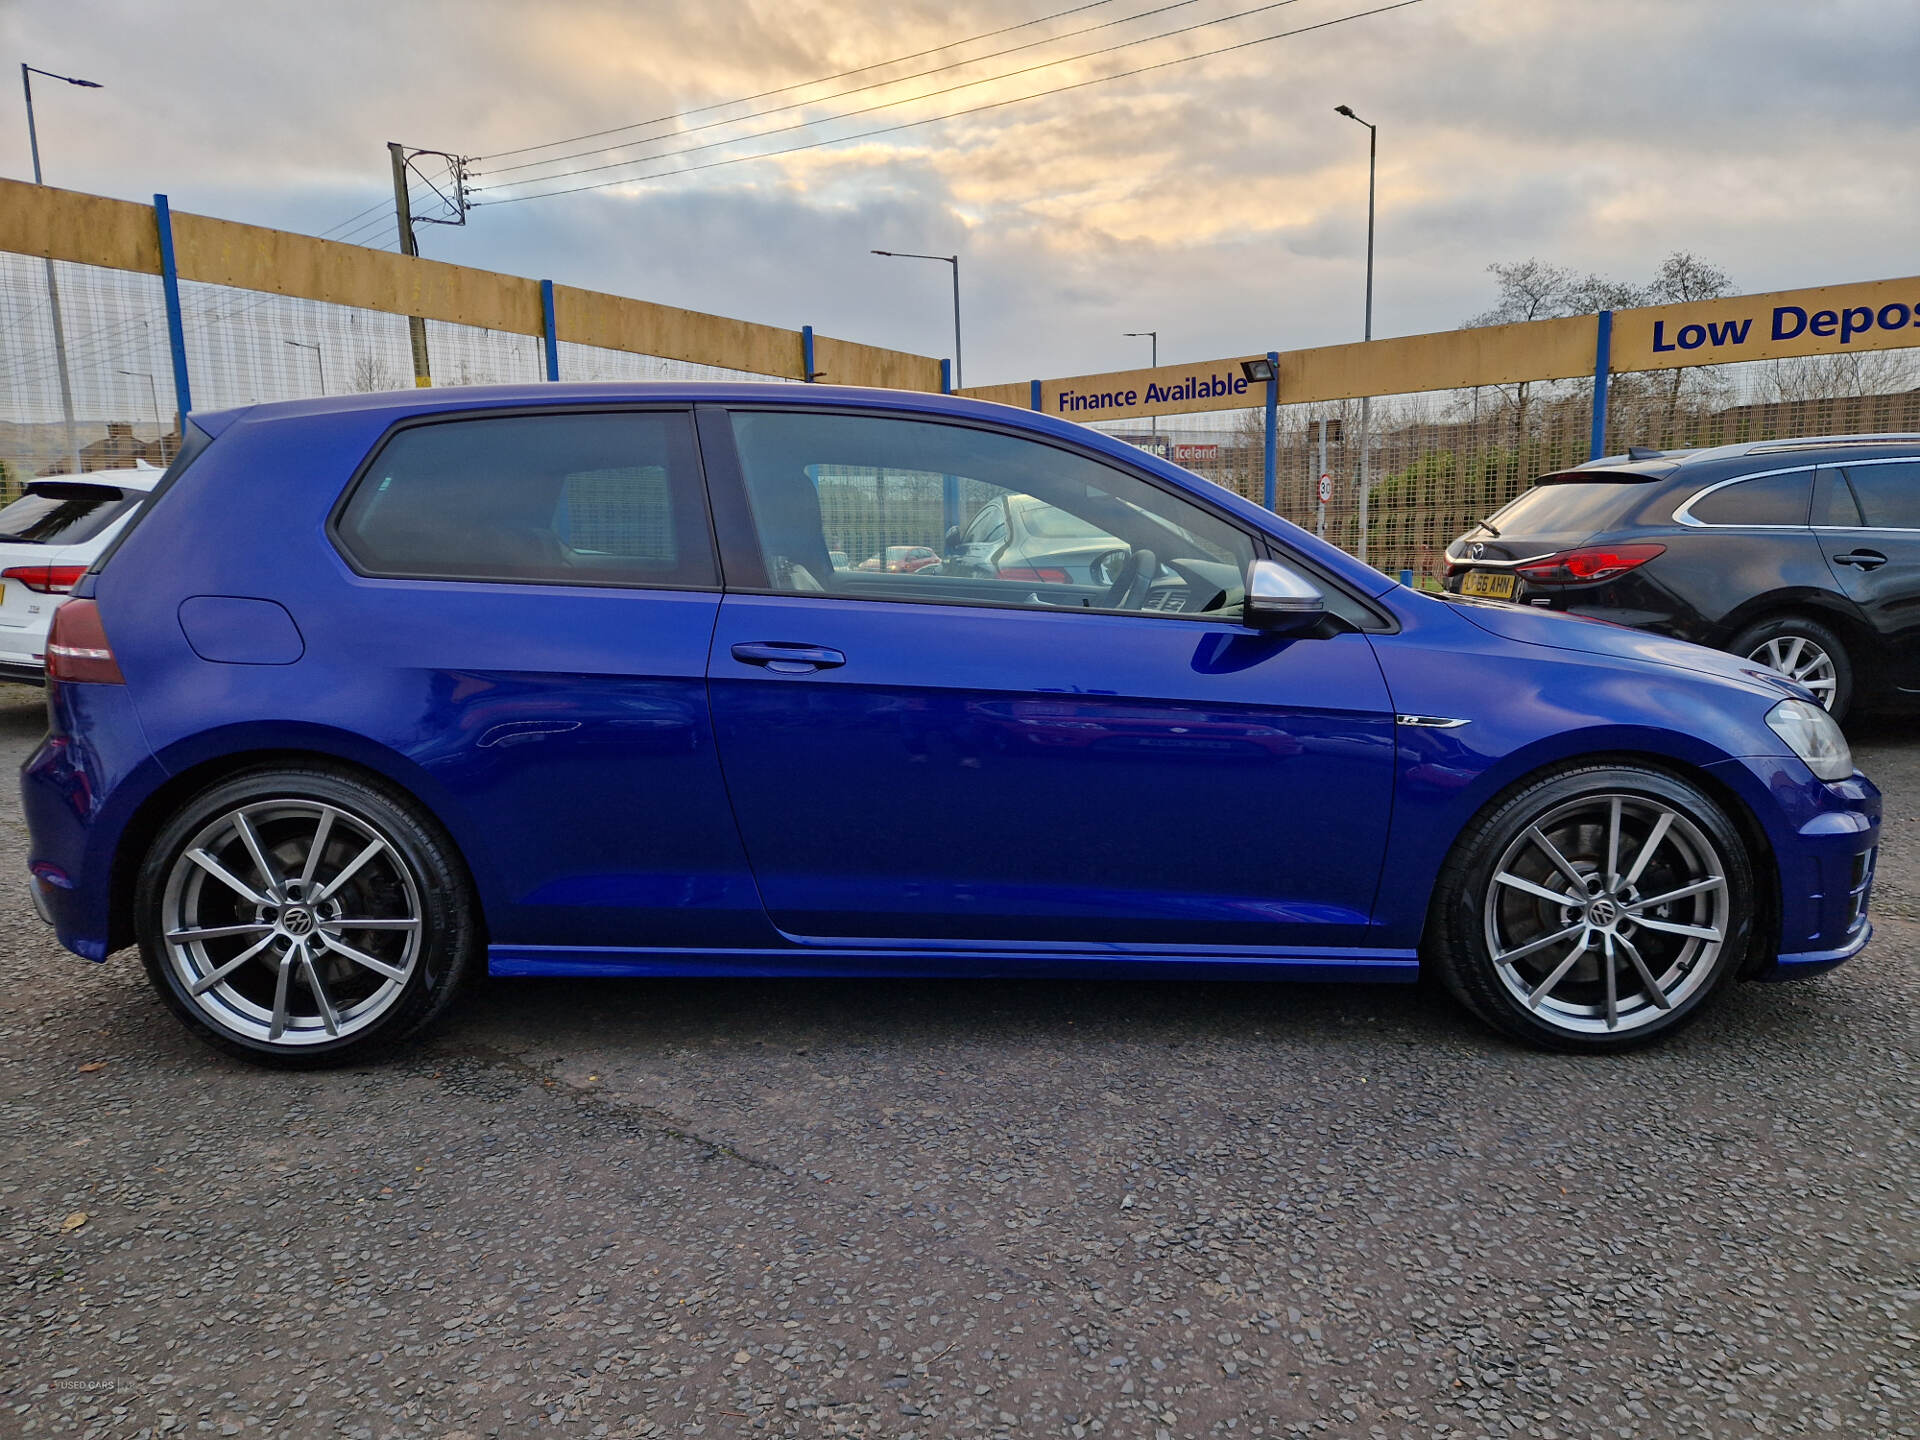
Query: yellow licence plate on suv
x=1488, y=584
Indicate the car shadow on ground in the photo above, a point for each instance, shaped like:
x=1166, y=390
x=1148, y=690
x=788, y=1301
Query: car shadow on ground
x=641, y=1015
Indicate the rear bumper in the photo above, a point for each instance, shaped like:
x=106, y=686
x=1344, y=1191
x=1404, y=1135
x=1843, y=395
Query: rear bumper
x=79, y=789
x=22, y=672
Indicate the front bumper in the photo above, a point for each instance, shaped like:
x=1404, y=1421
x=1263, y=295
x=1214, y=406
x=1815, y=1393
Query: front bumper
x=1825, y=839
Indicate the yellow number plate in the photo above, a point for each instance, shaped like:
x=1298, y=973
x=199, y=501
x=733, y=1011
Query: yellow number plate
x=1488, y=584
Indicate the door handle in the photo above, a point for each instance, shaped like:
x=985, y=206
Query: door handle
x=787, y=659
x=1863, y=559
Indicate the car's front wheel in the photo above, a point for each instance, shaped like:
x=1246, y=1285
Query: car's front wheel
x=1594, y=909
x=303, y=917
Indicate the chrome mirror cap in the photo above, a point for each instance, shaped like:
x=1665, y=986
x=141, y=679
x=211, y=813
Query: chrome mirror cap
x=1281, y=599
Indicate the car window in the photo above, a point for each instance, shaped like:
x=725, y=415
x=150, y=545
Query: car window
x=1833, y=502
x=594, y=499
x=887, y=491
x=1764, y=500
x=63, y=513
x=1889, y=494
x=1556, y=507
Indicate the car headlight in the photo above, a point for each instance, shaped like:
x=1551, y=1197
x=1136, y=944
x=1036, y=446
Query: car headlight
x=1811, y=733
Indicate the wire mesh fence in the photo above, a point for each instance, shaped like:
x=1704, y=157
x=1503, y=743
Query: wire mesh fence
x=91, y=342
x=1438, y=461
x=243, y=348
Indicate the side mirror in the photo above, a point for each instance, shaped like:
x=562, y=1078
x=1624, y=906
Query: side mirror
x=1281, y=600
x=952, y=541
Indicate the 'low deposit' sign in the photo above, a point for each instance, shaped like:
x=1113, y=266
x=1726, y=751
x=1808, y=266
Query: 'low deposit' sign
x=1877, y=315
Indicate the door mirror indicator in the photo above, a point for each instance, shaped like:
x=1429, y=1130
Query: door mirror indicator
x=1281, y=600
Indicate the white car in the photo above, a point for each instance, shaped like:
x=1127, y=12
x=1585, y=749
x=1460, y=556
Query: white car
x=48, y=538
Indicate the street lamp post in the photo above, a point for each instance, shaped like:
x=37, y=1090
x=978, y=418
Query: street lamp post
x=1153, y=337
x=313, y=345
x=1366, y=401
x=27, y=72
x=954, y=261
x=153, y=391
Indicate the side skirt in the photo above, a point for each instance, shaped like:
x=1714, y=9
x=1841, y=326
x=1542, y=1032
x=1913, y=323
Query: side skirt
x=906, y=962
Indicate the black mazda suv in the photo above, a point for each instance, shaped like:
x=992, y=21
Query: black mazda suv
x=1803, y=555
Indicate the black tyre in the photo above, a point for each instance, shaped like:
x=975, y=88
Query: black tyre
x=304, y=917
x=1806, y=651
x=1596, y=908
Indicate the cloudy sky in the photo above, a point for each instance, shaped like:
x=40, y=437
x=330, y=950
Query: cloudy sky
x=1220, y=201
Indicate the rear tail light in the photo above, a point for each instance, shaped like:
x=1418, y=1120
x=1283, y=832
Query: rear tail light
x=1598, y=562
x=46, y=579
x=1044, y=575
x=77, y=649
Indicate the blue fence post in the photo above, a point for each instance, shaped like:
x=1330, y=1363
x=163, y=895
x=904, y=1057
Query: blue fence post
x=946, y=377
x=552, y=330
x=176, y=329
x=1033, y=396
x=806, y=353
x=1602, y=368
x=1271, y=458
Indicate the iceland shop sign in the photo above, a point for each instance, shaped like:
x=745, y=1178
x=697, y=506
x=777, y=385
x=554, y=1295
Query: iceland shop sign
x=1881, y=315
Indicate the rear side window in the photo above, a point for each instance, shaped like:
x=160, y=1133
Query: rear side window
x=63, y=513
x=1889, y=495
x=596, y=499
x=1763, y=500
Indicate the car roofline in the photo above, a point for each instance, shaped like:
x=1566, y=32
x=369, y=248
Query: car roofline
x=400, y=404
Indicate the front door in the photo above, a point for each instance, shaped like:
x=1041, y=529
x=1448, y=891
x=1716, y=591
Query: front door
x=928, y=756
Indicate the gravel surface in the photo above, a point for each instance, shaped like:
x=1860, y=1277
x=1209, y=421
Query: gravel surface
x=930, y=1210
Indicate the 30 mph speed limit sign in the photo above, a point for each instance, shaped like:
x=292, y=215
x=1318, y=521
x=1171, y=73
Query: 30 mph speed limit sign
x=1326, y=488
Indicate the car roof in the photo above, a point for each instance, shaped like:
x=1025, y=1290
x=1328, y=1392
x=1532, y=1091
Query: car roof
x=1666, y=462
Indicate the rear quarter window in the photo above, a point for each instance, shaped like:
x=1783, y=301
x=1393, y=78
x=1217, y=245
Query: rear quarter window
x=590, y=499
x=1781, y=499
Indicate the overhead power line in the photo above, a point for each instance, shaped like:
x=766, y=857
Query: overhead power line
x=927, y=95
x=798, y=85
x=956, y=114
x=822, y=99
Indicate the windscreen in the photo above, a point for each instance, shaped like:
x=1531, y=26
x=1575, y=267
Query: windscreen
x=62, y=513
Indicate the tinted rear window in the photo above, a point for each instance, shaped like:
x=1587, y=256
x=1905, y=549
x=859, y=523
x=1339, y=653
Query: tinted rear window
x=63, y=513
x=1554, y=507
x=595, y=499
x=1764, y=500
x=1889, y=494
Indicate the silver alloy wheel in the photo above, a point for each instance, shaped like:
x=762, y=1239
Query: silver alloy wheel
x=1801, y=659
x=1606, y=913
x=291, y=922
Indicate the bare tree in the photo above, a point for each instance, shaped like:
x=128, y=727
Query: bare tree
x=1533, y=289
x=1840, y=377
x=369, y=373
x=1684, y=278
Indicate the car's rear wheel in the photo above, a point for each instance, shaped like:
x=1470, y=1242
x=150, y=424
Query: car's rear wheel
x=1595, y=909
x=303, y=917
x=1804, y=651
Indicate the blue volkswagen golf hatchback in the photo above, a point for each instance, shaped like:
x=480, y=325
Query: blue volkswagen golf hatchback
x=629, y=680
